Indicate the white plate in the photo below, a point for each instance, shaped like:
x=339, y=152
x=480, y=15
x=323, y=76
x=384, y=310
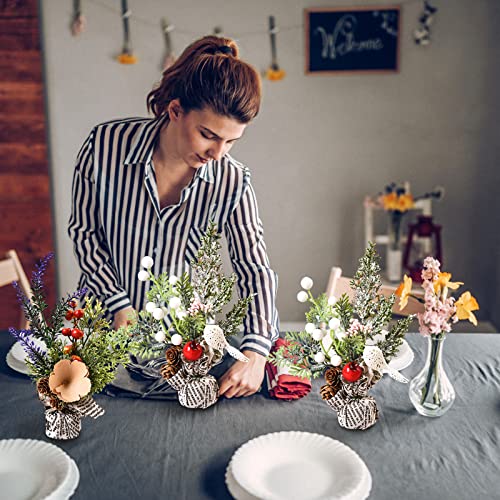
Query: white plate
x=69, y=485
x=403, y=358
x=19, y=353
x=236, y=490
x=297, y=465
x=35, y=470
x=14, y=364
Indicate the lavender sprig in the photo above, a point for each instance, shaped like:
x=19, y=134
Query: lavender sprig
x=36, y=355
x=38, y=273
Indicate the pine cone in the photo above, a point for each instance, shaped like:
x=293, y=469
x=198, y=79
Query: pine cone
x=43, y=386
x=328, y=391
x=332, y=375
x=376, y=377
x=56, y=403
x=173, y=356
x=167, y=371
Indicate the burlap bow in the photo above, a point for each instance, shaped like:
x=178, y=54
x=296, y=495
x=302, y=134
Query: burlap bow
x=67, y=423
x=196, y=388
x=355, y=409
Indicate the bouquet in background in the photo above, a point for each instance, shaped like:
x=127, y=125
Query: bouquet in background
x=186, y=314
x=349, y=341
x=397, y=200
x=68, y=364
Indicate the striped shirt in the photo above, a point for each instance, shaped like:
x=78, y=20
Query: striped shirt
x=116, y=220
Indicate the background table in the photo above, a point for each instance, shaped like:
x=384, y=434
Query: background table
x=157, y=449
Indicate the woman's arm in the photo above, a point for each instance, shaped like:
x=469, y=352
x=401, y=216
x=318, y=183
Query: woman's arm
x=248, y=254
x=85, y=230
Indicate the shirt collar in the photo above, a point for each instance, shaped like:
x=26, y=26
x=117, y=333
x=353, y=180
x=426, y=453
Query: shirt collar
x=144, y=142
x=143, y=146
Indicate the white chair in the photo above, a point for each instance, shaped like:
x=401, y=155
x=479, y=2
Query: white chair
x=12, y=270
x=338, y=285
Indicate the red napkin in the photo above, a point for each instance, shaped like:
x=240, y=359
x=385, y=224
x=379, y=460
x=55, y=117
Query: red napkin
x=280, y=384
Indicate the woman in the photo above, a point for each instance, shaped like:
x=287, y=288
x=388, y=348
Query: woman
x=150, y=187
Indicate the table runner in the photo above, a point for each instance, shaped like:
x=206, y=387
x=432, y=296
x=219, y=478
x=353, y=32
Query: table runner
x=150, y=449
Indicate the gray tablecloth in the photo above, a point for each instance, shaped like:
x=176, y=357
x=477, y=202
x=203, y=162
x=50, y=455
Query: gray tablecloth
x=149, y=449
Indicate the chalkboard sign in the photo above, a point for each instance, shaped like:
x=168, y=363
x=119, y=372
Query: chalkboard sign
x=352, y=39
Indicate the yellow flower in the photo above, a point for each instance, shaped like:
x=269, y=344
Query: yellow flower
x=405, y=202
x=465, y=305
x=126, y=58
x=390, y=201
x=275, y=74
x=443, y=281
x=403, y=291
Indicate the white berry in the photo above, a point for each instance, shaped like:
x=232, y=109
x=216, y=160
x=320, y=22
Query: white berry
x=173, y=280
x=319, y=357
x=310, y=327
x=318, y=334
x=335, y=359
x=147, y=262
x=160, y=336
x=331, y=300
x=302, y=296
x=306, y=283
x=150, y=307
x=143, y=275
x=176, y=339
x=334, y=323
x=174, y=303
x=158, y=313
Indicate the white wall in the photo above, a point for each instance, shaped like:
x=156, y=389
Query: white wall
x=321, y=142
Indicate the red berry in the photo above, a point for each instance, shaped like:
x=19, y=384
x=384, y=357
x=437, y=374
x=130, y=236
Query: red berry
x=78, y=314
x=76, y=358
x=67, y=348
x=72, y=303
x=76, y=333
x=66, y=332
x=192, y=351
x=69, y=315
x=352, y=372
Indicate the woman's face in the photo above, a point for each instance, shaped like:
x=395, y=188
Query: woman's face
x=203, y=135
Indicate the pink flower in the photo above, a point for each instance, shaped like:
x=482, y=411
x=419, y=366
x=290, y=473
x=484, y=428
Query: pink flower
x=356, y=327
x=431, y=269
x=196, y=307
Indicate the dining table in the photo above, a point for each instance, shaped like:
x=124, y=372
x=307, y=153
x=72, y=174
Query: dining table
x=157, y=449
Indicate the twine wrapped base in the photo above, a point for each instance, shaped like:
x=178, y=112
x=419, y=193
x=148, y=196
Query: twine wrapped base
x=355, y=409
x=66, y=423
x=196, y=389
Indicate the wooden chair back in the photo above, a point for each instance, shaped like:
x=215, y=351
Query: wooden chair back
x=12, y=270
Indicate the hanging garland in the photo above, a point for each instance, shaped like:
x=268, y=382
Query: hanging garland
x=127, y=56
x=78, y=23
x=274, y=73
x=422, y=34
x=169, y=59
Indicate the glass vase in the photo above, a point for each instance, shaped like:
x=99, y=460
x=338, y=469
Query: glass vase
x=431, y=392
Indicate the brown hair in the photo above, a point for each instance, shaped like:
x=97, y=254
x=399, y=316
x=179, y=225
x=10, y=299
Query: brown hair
x=209, y=74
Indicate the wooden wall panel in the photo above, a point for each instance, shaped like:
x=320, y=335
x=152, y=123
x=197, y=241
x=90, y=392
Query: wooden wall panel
x=25, y=195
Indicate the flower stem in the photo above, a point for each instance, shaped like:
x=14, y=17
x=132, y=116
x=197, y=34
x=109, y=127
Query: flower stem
x=433, y=371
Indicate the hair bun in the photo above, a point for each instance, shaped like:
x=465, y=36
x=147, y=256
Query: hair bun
x=224, y=49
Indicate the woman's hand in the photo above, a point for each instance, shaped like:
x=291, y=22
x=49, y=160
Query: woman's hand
x=243, y=379
x=123, y=317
